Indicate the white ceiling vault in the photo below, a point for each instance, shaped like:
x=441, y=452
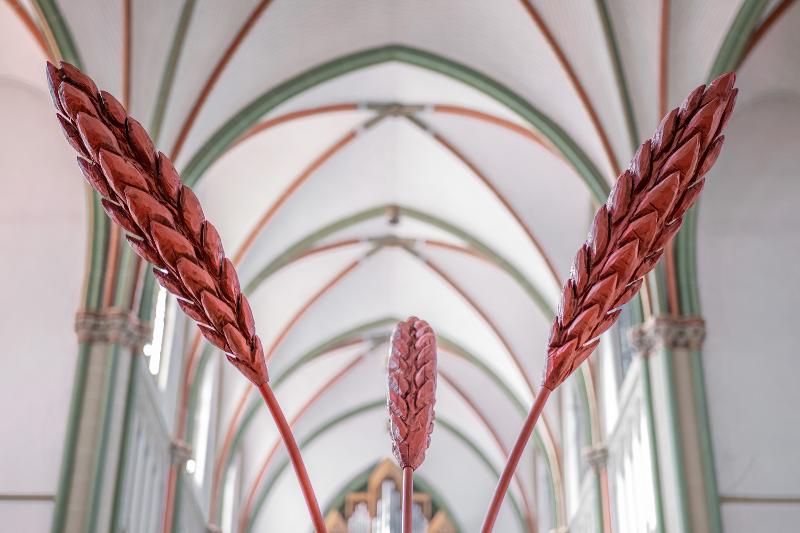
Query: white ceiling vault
x=368, y=160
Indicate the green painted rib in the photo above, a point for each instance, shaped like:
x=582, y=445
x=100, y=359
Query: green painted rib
x=326, y=426
x=453, y=429
x=619, y=73
x=375, y=212
x=263, y=104
x=737, y=37
x=62, y=35
x=65, y=43
x=479, y=245
x=168, y=76
x=61, y=32
x=362, y=479
x=255, y=403
x=728, y=58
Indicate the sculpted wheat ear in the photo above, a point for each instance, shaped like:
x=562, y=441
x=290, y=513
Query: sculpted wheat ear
x=412, y=391
x=142, y=193
x=643, y=212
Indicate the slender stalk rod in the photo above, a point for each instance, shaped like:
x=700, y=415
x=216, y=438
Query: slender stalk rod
x=513, y=460
x=408, y=498
x=294, y=455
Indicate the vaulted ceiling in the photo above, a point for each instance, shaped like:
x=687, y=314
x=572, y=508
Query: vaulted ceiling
x=365, y=161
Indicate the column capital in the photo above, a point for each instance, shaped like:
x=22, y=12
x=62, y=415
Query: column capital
x=112, y=325
x=669, y=333
x=597, y=456
x=179, y=453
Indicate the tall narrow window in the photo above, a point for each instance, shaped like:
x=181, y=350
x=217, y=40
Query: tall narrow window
x=631, y=475
x=229, y=499
x=202, y=424
x=158, y=349
x=577, y=440
x=622, y=345
x=545, y=503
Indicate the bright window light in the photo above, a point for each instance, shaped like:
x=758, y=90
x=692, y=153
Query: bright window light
x=153, y=348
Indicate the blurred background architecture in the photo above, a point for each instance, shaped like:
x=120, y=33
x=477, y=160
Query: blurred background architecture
x=365, y=160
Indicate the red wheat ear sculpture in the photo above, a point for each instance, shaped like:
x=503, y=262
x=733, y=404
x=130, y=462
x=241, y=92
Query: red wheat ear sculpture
x=642, y=214
x=143, y=194
x=412, y=395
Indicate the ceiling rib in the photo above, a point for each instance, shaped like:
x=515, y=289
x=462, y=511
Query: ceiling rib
x=619, y=73
x=30, y=25
x=294, y=319
x=575, y=82
x=170, y=67
x=773, y=17
x=215, y=75
x=127, y=51
x=387, y=106
x=249, y=387
x=473, y=406
x=450, y=147
x=663, y=95
x=247, y=507
x=307, y=172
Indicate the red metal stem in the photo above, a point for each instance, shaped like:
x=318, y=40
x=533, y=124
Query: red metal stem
x=294, y=455
x=513, y=460
x=408, y=498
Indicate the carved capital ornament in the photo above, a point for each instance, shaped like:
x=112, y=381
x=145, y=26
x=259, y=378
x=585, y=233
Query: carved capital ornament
x=668, y=333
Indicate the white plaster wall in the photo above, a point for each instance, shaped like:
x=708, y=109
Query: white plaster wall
x=42, y=238
x=749, y=248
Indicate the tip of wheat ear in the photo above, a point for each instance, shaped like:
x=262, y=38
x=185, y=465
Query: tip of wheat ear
x=412, y=390
x=142, y=193
x=644, y=211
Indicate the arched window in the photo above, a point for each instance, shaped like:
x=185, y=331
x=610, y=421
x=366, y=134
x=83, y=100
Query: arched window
x=576, y=440
x=623, y=350
x=631, y=474
x=229, y=490
x=157, y=351
x=545, y=502
x=202, y=426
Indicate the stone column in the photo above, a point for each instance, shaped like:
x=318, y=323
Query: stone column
x=597, y=457
x=673, y=346
x=108, y=339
